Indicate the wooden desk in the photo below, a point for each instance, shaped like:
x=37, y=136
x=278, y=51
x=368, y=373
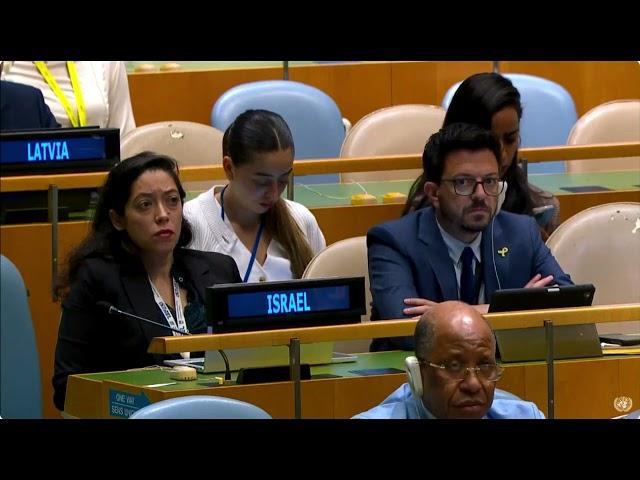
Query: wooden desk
x=585, y=388
x=29, y=246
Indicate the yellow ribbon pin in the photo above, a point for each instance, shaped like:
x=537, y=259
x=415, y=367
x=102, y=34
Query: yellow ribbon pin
x=503, y=251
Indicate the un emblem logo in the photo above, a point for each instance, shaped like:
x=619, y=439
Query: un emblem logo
x=622, y=404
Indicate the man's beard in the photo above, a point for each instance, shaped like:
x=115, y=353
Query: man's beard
x=473, y=228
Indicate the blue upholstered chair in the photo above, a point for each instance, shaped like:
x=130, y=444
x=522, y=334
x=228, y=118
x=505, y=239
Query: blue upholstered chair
x=548, y=114
x=312, y=115
x=20, y=392
x=200, y=407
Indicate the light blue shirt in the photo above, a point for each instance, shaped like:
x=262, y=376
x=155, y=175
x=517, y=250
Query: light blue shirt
x=401, y=404
x=455, y=248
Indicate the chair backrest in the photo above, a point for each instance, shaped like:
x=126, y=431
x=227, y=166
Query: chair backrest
x=344, y=258
x=312, y=115
x=391, y=131
x=548, y=114
x=200, y=407
x=189, y=143
x=601, y=245
x=617, y=121
x=21, y=390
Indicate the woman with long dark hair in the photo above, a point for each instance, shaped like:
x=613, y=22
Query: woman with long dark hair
x=490, y=101
x=133, y=259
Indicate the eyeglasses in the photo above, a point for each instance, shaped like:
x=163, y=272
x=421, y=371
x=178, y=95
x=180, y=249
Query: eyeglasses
x=465, y=186
x=490, y=372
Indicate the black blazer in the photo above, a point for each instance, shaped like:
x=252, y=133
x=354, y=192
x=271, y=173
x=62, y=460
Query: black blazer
x=23, y=107
x=91, y=340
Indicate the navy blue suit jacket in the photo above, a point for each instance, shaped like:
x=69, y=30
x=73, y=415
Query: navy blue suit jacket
x=23, y=107
x=408, y=258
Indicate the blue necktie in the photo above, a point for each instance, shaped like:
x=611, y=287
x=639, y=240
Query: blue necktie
x=467, y=279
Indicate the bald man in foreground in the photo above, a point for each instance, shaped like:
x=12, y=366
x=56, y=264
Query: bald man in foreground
x=454, y=372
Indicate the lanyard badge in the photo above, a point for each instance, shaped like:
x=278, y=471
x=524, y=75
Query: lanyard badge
x=79, y=120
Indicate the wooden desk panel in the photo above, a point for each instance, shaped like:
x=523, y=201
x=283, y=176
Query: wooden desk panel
x=630, y=383
x=590, y=83
x=358, y=394
x=338, y=223
x=535, y=385
x=427, y=82
x=587, y=389
x=360, y=88
x=572, y=203
x=584, y=389
x=187, y=95
x=29, y=248
x=322, y=398
x=357, y=88
x=514, y=380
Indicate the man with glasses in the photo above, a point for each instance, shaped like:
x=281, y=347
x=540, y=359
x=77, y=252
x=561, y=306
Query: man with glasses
x=458, y=248
x=454, y=372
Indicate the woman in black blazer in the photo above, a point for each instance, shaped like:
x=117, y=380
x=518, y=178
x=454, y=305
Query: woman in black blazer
x=133, y=259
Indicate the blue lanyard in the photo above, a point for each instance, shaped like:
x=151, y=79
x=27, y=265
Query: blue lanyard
x=254, y=251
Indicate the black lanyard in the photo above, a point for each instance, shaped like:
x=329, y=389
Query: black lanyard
x=254, y=251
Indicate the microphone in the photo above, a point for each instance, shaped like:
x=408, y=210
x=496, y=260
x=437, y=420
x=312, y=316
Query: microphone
x=111, y=310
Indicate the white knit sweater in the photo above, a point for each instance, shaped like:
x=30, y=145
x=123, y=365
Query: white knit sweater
x=213, y=234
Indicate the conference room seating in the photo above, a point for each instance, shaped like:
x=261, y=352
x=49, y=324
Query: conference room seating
x=401, y=129
x=344, y=258
x=601, y=245
x=189, y=143
x=617, y=121
x=313, y=117
x=20, y=387
x=200, y=407
x=548, y=115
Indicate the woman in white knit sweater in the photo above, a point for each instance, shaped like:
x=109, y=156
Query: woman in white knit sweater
x=269, y=237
